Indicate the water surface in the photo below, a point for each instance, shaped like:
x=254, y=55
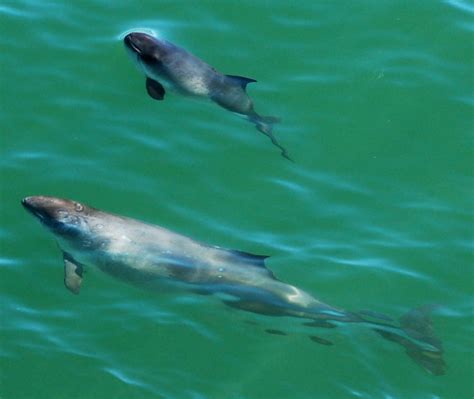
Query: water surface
x=376, y=212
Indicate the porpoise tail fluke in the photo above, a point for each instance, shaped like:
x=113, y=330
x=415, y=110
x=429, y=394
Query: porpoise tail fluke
x=264, y=124
x=419, y=340
x=414, y=332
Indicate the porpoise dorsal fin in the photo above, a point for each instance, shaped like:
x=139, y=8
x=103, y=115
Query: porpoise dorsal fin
x=155, y=89
x=72, y=274
x=241, y=80
x=246, y=257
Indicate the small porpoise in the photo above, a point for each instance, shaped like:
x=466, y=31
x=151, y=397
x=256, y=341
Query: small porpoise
x=156, y=258
x=165, y=63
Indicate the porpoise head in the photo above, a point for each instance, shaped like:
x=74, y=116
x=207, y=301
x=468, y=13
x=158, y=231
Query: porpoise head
x=68, y=220
x=146, y=50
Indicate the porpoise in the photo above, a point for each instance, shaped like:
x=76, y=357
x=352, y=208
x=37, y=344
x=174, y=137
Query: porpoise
x=156, y=258
x=165, y=64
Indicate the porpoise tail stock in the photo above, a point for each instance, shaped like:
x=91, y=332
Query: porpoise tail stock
x=155, y=258
x=167, y=66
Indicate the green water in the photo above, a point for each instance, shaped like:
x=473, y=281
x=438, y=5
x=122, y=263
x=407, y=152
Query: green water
x=376, y=213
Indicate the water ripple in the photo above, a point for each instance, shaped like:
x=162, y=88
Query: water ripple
x=462, y=5
x=123, y=377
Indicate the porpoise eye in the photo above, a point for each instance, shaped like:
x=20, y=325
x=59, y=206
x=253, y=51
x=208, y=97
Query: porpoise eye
x=78, y=207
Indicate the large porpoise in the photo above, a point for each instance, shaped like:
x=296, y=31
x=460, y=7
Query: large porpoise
x=156, y=258
x=164, y=63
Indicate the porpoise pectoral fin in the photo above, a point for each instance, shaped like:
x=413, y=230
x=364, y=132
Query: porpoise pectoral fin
x=242, y=81
x=155, y=89
x=72, y=274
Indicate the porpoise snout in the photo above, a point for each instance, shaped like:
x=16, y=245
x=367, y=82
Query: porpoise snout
x=50, y=208
x=43, y=208
x=129, y=42
x=136, y=41
x=33, y=203
x=141, y=43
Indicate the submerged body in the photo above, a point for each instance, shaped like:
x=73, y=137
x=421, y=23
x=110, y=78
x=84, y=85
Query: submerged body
x=156, y=258
x=165, y=64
